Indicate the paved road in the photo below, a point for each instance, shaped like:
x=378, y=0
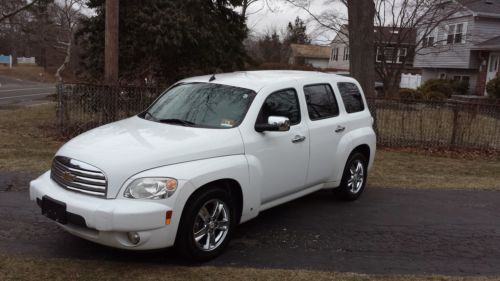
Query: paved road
x=386, y=231
x=15, y=92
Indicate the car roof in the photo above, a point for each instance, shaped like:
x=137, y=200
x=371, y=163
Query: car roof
x=256, y=80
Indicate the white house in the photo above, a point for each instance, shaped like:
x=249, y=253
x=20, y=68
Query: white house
x=313, y=55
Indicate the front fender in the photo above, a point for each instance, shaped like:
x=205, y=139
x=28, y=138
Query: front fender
x=195, y=174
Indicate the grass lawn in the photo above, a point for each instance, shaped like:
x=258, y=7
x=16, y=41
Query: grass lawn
x=16, y=268
x=399, y=169
x=26, y=139
x=27, y=144
x=29, y=73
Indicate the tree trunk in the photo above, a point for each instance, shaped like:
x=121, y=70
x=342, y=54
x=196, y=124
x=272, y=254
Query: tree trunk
x=361, y=15
x=111, y=42
x=65, y=62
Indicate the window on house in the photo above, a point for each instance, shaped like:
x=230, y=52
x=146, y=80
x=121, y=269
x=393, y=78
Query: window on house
x=321, y=102
x=463, y=78
x=456, y=33
x=402, y=55
x=391, y=54
x=335, y=54
x=429, y=39
x=442, y=76
x=346, y=53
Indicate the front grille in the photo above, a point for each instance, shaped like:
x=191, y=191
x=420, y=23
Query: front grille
x=78, y=176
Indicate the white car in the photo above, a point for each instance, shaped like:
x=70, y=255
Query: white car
x=210, y=153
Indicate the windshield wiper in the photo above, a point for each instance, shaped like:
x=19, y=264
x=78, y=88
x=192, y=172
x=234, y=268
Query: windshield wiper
x=151, y=117
x=177, y=121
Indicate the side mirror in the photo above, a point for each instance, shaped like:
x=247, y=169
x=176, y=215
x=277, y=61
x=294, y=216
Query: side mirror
x=275, y=124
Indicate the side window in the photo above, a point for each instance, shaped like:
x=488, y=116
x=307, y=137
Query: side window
x=282, y=103
x=351, y=96
x=321, y=102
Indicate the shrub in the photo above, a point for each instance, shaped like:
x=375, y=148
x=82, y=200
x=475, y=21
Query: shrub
x=410, y=94
x=460, y=87
x=435, y=96
x=493, y=88
x=436, y=85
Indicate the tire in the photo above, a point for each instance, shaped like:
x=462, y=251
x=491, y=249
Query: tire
x=199, y=216
x=353, y=183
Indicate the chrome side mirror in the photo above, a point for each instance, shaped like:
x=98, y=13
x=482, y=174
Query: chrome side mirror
x=283, y=123
x=274, y=124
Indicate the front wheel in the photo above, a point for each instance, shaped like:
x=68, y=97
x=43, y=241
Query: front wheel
x=206, y=225
x=354, y=178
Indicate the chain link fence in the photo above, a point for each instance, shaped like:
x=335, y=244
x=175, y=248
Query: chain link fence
x=398, y=123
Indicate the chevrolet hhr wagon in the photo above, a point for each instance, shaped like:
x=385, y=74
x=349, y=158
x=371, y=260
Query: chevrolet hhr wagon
x=210, y=153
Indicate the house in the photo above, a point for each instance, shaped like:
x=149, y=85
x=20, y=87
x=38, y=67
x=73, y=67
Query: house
x=463, y=47
x=313, y=55
x=393, y=48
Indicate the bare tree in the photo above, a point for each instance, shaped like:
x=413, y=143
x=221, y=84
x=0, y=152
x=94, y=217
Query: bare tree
x=248, y=3
x=66, y=16
x=11, y=8
x=413, y=23
x=405, y=28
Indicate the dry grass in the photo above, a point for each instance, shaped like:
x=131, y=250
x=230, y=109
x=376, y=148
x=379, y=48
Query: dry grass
x=16, y=268
x=26, y=143
x=399, y=169
x=29, y=73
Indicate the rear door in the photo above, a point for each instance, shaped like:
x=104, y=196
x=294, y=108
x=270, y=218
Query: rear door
x=326, y=128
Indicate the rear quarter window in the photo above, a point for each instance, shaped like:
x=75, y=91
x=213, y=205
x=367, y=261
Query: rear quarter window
x=351, y=96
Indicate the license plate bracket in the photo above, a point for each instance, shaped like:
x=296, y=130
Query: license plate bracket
x=54, y=210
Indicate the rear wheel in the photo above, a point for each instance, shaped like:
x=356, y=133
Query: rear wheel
x=353, y=180
x=206, y=225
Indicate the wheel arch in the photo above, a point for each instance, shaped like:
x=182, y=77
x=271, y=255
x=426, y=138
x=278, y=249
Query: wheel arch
x=363, y=149
x=232, y=186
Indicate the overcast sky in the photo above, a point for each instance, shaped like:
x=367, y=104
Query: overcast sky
x=263, y=18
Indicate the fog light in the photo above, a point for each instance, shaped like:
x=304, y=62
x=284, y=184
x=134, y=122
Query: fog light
x=134, y=237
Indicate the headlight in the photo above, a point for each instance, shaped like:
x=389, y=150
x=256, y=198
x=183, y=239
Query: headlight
x=151, y=188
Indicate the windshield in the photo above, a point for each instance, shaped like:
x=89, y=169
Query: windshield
x=202, y=105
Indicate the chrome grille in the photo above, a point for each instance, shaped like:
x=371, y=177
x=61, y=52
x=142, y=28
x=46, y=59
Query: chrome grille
x=78, y=176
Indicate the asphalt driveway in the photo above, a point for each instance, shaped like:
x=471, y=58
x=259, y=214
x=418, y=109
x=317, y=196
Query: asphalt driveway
x=14, y=92
x=387, y=231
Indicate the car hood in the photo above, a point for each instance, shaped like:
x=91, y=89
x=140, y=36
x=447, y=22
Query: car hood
x=127, y=147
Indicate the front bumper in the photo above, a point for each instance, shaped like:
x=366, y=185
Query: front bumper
x=107, y=221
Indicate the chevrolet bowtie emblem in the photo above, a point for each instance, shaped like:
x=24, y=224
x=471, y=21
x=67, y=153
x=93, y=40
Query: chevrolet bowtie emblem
x=69, y=177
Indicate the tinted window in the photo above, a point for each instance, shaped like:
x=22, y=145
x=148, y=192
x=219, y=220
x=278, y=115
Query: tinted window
x=321, y=102
x=282, y=103
x=202, y=105
x=351, y=96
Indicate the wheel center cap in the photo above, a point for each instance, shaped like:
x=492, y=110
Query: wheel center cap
x=211, y=225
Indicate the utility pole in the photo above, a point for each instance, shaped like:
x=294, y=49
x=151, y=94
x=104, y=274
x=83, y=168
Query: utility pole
x=111, y=42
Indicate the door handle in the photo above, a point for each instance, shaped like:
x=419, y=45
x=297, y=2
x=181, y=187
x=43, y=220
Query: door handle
x=298, y=138
x=339, y=129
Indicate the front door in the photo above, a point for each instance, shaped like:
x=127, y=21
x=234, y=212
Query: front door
x=282, y=157
x=494, y=63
